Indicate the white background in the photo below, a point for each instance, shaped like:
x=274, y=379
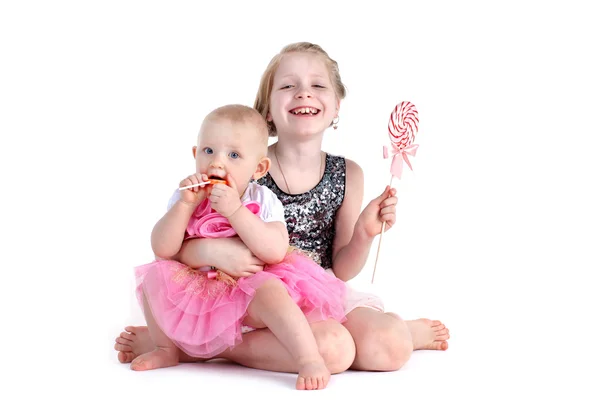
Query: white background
x=497, y=232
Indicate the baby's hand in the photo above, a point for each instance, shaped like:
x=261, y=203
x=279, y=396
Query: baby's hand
x=225, y=199
x=380, y=209
x=194, y=196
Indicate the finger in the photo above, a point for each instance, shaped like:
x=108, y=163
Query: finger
x=254, y=268
x=185, y=182
x=389, y=202
x=389, y=219
x=231, y=182
x=384, y=195
x=388, y=210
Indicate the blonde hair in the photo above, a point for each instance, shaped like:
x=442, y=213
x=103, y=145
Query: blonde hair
x=261, y=103
x=239, y=113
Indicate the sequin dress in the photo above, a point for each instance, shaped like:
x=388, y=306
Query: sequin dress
x=310, y=216
x=310, y=220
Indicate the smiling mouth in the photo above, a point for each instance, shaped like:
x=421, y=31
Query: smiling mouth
x=305, y=111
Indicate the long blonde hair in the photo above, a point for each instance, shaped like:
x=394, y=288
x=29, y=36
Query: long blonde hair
x=261, y=103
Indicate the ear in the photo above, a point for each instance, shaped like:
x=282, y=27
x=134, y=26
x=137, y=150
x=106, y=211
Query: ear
x=194, y=151
x=262, y=168
x=269, y=117
x=337, y=106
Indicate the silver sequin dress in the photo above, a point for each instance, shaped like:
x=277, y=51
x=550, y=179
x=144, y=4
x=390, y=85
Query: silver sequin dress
x=310, y=216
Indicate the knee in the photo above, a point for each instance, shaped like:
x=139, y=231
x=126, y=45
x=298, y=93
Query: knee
x=388, y=347
x=336, y=346
x=271, y=290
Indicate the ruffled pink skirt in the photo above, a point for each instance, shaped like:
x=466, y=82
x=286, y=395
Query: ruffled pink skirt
x=203, y=316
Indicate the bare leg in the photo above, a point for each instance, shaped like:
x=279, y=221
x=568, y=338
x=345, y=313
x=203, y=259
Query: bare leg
x=384, y=342
x=260, y=349
x=165, y=353
x=272, y=307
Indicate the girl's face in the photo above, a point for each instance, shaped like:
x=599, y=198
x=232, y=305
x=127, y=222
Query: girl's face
x=303, y=101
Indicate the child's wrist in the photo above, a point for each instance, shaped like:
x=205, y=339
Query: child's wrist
x=235, y=212
x=188, y=204
x=360, y=235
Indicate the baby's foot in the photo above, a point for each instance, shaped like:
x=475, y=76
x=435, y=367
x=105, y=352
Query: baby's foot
x=428, y=334
x=313, y=375
x=157, y=358
x=132, y=343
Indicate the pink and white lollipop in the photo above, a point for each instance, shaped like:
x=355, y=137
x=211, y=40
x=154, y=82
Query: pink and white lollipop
x=402, y=128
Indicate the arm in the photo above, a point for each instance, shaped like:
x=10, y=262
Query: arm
x=229, y=255
x=266, y=240
x=169, y=231
x=355, y=232
x=351, y=244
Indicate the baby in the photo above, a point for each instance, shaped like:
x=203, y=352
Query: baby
x=202, y=311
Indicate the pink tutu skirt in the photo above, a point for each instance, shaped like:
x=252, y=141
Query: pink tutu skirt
x=203, y=315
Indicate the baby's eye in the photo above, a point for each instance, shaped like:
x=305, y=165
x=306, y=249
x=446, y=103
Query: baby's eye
x=234, y=155
x=319, y=86
x=208, y=150
x=286, y=86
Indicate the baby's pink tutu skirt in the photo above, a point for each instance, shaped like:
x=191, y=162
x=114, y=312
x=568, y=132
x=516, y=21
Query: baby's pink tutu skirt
x=203, y=316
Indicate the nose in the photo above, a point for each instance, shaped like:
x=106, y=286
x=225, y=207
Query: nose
x=303, y=92
x=217, y=162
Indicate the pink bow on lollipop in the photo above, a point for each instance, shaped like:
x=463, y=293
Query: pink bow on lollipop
x=400, y=156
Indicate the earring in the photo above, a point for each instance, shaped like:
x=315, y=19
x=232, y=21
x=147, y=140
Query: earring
x=335, y=121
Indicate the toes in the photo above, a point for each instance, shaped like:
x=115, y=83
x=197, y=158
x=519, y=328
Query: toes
x=442, y=332
x=121, y=340
x=438, y=327
x=444, y=346
x=310, y=384
x=320, y=384
x=132, y=329
x=125, y=357
x=139, y=365
x=123, y=347
x=300, y=383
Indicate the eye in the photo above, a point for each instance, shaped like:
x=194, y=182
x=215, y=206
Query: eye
x=234, y=155
x=287, y=86
x=208, y=150
x=319, y=86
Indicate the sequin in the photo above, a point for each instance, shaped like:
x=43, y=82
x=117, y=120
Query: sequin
x=310, y=216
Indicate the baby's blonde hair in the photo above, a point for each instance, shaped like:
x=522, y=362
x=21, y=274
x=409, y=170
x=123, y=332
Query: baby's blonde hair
x=239, y=113
x=261, y=103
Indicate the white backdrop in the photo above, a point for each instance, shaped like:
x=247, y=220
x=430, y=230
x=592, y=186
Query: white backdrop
x=497, y=231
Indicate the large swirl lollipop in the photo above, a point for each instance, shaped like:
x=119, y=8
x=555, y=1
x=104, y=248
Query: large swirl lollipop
x=402, y=128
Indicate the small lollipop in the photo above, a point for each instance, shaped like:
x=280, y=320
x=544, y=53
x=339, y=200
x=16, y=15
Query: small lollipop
x=402, y=128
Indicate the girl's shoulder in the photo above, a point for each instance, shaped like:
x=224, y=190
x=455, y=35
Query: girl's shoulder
x=352, y=169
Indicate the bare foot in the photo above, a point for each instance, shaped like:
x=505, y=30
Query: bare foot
x=132, y=343
x=157, y=358
x=313, y=376
x=428, y=334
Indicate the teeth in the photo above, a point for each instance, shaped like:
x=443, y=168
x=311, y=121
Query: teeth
x=305, y=110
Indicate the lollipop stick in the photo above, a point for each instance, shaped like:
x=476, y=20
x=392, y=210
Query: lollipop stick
x=380, y=239
x=197, y=184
